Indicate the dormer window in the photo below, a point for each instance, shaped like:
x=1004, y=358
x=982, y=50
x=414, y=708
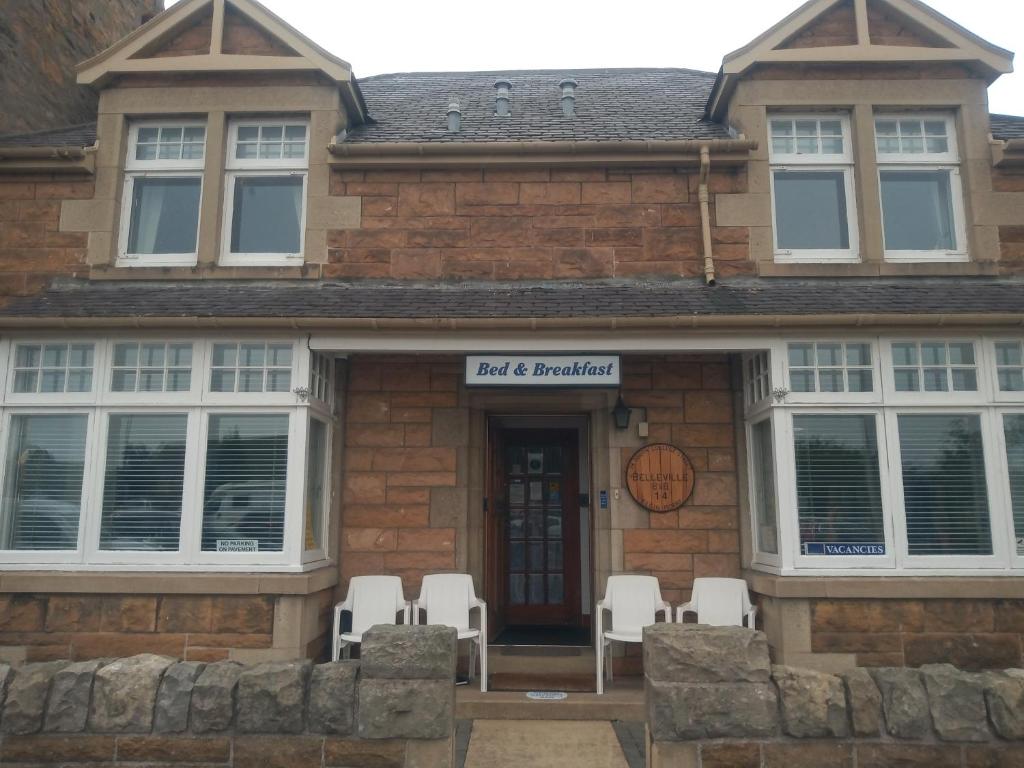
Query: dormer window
x=265, y=192
x=162, y=190
x=812, y=188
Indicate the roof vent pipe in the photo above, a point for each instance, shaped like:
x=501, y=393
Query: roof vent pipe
x=454, y=117
x=568, y=87
x=503, y=99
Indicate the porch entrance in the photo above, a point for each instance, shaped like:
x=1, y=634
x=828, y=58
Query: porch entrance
x=536, y=534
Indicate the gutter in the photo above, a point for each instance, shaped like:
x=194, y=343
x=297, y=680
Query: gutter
x=765, y=323
x=705, y=215
x=21, y=159
x=41, y=153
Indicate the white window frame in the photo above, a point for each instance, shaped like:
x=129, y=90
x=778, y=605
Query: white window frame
x=134, y=169
x=997, y=508
x=821, y=162
x=948, y=161
x=874, y=396
x=990, y=345
x=313, y=555
x=236, y=168
x=760, y=556
x=1008, y=533
x=788, y=492
x=99, y=404
x=922, y=397
x=758, y=375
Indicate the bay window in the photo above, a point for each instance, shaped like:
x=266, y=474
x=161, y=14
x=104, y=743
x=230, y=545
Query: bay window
x=153, y=469
x=812, y=188
x=265, y=192
x=923, y=473
x=162, y=191
x=919, y=177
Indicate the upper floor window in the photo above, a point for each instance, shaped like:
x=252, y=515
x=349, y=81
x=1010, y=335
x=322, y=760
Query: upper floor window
x=162, y=190
x=54, y=367
x=812, y=188
x=922, y=200
x=265, y=192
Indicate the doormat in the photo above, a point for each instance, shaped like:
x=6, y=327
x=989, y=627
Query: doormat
x=547, y=695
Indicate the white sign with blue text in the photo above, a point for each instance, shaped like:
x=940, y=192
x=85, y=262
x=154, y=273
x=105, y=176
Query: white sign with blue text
x=543, y=371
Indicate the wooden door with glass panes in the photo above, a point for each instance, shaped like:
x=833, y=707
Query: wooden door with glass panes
x=537, y=508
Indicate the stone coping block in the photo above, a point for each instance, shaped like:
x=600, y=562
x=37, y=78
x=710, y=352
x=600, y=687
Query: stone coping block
x=697, y=653
x=957, y=703
x=813, y=703
x=408, y=709
x=688, y=711
x=124, y=693
x=404, y=652
x=272, y=697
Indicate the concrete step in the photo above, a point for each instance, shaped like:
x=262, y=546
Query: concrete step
x=540, y=659
x=623, y=700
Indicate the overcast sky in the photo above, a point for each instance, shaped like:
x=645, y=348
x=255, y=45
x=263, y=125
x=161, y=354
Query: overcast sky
x=403, y=35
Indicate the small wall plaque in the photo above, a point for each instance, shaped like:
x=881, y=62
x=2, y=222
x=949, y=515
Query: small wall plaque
x=660, y=477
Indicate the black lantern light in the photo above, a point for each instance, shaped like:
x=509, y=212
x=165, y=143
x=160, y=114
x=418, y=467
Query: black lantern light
x=621, y=413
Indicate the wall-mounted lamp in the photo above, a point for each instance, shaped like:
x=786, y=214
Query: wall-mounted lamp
x=621, y=413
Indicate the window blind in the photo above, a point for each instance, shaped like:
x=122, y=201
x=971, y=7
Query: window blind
x=839, y=497
x=42, y=499
x=246, y=473
x=144, y=482
x=944, y=490
x=1013, y=428
x=764, y=487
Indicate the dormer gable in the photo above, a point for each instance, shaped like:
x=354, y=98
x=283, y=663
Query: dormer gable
x=860, y=32
x=219, y=37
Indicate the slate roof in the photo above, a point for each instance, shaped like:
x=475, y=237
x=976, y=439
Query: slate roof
x=611, y=104
x=685, y=297
x=82, y=135
x=1007, y=127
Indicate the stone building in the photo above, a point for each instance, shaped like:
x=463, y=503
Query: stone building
x=266, y=327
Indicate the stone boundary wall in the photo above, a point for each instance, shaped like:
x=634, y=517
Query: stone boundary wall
x=393, y=708
x=714, y=699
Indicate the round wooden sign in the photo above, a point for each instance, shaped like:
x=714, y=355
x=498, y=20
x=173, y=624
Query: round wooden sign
x=660, y=477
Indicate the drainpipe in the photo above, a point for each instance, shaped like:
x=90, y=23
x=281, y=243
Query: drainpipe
x=705, y=214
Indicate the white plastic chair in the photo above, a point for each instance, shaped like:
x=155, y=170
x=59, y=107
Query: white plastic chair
x=371, y=600
x=447, y=599
x=720, y=603
x=634, y=602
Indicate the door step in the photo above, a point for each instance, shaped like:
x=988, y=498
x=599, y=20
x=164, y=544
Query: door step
x=540, y=660
x=506, y=681
x=623, y=700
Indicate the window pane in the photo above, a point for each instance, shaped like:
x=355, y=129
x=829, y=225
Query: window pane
x=164, y=216
x=145, y=476
x=907, y=380
x=810, y=210
x=801, y=355
x=267, y=214
x=861, y=381
x=42, y=498
x=764, y=487
x=244, y=494
x=1008, y=353
x=315, y=473
x=839, y=497
x=917, y=208
x=858, y=354
x=1013, y=428
x=801, y=381
x=944, y=490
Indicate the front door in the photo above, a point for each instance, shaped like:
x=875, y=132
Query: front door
x=535, y=527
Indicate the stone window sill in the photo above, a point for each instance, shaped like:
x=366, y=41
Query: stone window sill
x=885, y=587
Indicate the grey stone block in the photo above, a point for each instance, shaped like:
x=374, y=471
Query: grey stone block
x=213, y=697
x=124, y=694
x=25, y=705
x=864, y=702
x=406, y=709
x=957, y=703
x=6, y=673
x=332, y=698
x=1004, y=695
x=686, y=711
x=697, y=653
x=904, y=702
x=175, y=696
x=272, y=697
x=813, y=703
x=404, y=652
x=68, y=707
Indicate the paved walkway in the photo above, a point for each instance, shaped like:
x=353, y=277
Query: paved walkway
x=544, y=744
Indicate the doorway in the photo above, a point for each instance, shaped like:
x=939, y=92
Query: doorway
x=537, y=532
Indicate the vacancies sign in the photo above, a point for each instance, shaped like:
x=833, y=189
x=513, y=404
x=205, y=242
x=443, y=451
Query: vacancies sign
x=543, y=371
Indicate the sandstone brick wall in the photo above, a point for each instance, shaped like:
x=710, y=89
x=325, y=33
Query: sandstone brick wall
x=406, y=438
x=33, y=250
x=972, y=634
x=509, y=224
x=689, y=404
x=192, y=627
x=41, y=41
